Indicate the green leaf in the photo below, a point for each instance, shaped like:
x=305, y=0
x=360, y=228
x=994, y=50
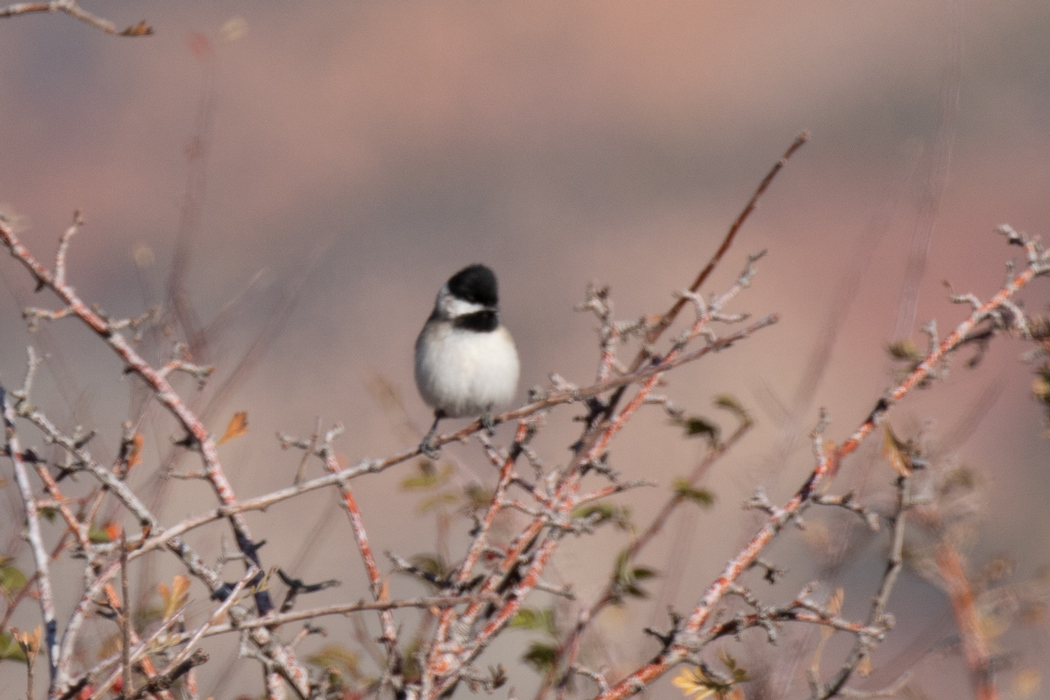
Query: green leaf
x=427, y=478
x=445, y=498
x=698, y=425
x=477, y=496
x=533, y=619
x=338, y=657
x=730, y=403
x=739, y=674
x=411, y=669
x=626, y=578
x=641, y=573
x=12, y=580
x=699, y=496
x=147, y=614
x=904, y=350
x=97, y=535
x=541, y=657
x=636, y=591
x=429, y=563
x=601, y=513
x=9, y=649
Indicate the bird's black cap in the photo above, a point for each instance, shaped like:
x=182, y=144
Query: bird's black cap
x=476, y=284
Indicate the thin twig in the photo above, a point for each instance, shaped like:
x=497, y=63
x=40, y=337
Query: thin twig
x=668, y=318
x=125, y=620
x=877, y=617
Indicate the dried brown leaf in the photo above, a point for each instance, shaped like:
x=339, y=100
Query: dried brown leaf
x=237, y=426
x=112, y=531
x=140, y=29
x=176, y=596
x=834, y=607
x=896, y=452
x=135, y=452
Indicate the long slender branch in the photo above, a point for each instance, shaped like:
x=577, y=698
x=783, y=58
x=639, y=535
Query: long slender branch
x=668, y=318
x=33, y=533
x=277, y=619
x=375, y=578
x=968, y=621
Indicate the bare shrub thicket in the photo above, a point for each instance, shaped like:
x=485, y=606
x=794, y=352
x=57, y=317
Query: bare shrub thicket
x=485, y=589
x=79, y=513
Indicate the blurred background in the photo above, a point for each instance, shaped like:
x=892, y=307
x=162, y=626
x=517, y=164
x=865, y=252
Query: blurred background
x=313, y=172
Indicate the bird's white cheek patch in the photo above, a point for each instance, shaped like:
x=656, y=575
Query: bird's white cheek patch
x=453, y=307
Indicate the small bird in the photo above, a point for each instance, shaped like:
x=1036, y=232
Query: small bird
x=466, y=362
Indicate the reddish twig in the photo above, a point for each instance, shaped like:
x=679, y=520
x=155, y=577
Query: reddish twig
x=968, y=621
x=375, y=579
x=668, y=318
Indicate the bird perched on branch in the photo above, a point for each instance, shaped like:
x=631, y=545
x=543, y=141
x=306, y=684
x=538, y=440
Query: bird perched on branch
x=466, y=362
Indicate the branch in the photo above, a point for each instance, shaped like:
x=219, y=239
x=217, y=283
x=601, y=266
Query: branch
x=668, y=318
x=73, y=9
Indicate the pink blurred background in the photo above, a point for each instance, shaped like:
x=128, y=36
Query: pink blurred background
x=360, y=153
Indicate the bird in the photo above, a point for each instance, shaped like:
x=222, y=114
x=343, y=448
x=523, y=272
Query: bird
x=466, y=360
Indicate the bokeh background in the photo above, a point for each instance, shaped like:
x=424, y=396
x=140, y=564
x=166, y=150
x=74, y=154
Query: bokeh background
x=328, y=165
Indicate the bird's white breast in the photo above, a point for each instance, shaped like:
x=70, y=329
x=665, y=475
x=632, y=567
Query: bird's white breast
x=465, y=373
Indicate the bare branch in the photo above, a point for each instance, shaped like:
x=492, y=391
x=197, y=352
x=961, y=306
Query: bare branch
x=73, y=9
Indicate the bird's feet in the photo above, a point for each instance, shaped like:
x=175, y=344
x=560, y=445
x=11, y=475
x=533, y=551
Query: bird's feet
x=488, y=424
x=428, y=447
